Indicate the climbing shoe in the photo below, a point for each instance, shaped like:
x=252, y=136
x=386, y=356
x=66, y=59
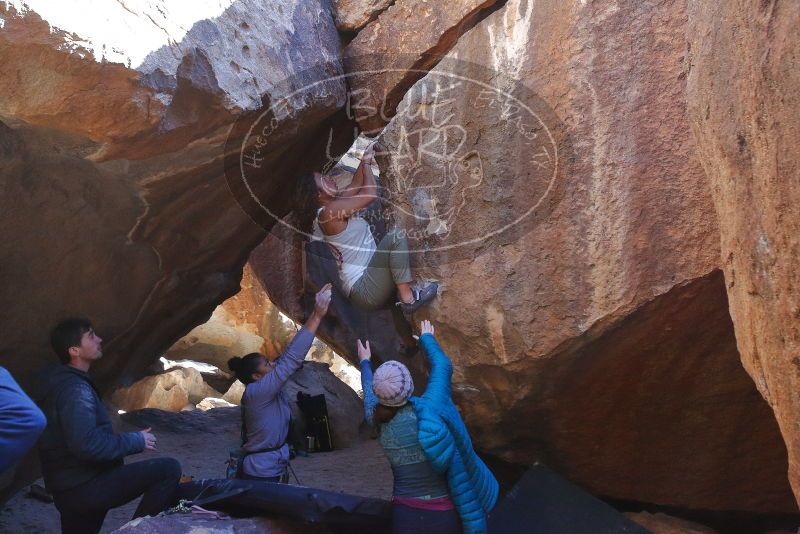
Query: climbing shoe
x=421, y=298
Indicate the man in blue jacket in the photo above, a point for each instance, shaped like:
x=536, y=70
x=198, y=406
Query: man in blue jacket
x=82, y=457
x=21, y=421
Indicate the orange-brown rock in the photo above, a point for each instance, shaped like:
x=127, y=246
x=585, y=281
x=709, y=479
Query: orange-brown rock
x=249, y=322
x=593, y=333
x=352, y=15
x=170, y=391
x=395, y=50
x=659, y=523
x=743, y=75
x=602, y=311
x=115, y=200
x=246, y=322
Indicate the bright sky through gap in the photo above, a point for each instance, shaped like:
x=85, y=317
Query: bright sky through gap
x=125, y=31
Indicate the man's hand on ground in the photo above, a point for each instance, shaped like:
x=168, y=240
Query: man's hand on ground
x=149, y=439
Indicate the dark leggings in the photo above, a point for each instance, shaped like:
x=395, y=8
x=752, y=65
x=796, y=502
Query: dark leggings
x=409, y=520
x=84, y=508
x=279, y=479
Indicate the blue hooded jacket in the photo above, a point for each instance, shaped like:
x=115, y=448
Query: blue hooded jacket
x=21, y=421
x=446, y=443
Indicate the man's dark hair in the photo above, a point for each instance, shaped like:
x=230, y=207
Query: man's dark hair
x=66, y=334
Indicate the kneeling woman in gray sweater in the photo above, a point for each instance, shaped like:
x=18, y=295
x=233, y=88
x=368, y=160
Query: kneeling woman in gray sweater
x=265, y=407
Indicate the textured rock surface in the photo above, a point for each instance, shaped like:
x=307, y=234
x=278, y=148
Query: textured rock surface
x=352, y=15
x=170, y=391
x=115, y=203
x=234, y=393
x=345, y=409
x=247, y=322
x=182, y=77
x=394, y=51
x=189, y=524
x=743, y=75
x=663, y=524
x=213, y=402
x=279, y=261
x=594, y=335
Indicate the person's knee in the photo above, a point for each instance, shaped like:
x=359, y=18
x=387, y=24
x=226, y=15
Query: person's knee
x=170, y=468
x=398, y=236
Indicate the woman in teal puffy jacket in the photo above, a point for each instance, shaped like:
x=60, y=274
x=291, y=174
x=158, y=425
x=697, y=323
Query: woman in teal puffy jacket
x=440, y=484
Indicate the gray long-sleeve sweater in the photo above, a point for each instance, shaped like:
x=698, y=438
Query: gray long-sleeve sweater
x=267, y=412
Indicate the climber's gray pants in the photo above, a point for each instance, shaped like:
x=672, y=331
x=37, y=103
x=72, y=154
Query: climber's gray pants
x=388, y=267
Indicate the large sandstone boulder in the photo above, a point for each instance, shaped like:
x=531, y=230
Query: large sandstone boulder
x=170, y=391
x=293, y=270
x=345, y=408
x=246, y=322
x=249, y=322
x=592, y=333
x=743, y=75
x=116, y=204
x=212, y=403
x=395, y=50
x=352, y=15
x=234, y=393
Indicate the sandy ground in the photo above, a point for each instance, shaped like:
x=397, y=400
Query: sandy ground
x=200, y=441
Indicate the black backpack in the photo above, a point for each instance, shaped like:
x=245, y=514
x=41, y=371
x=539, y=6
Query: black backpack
x=315, y=413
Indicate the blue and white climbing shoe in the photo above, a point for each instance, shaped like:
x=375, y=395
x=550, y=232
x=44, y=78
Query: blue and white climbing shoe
x=421, y=298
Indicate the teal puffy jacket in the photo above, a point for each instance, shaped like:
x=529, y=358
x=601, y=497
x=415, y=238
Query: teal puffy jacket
x=445, y=441
x=444, y=438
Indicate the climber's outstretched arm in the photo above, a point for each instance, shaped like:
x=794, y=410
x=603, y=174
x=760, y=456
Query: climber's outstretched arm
x=359, y=177
x=370, y=400
x=265, y=389
x=441, y=375
x=357, y=197
x=354, y=188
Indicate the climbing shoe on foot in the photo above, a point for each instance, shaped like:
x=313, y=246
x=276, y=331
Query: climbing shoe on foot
x=421, y=298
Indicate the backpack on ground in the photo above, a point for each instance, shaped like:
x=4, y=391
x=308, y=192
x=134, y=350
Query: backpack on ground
x=315, y=412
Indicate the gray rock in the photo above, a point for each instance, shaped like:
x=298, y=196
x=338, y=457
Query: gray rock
x=345, y=408
x=193, y=524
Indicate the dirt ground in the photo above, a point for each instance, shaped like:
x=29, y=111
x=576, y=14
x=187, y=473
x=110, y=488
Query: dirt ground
x=200, y=441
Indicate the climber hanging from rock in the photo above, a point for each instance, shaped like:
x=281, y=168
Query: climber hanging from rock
x=371, y=273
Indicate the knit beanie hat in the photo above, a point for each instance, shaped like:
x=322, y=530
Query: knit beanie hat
x=392, y=383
